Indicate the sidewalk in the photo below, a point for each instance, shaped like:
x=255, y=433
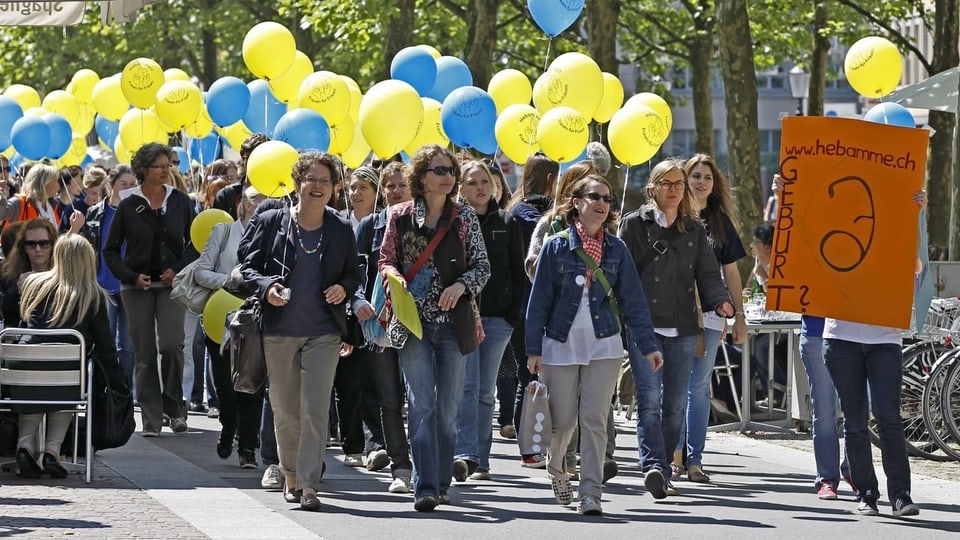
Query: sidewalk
x=176, y=487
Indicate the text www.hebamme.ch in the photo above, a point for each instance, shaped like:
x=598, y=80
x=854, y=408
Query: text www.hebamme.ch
x=838, y=149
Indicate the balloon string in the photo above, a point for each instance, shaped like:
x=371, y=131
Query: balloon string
x=556, y=186
x=546, y=61
x=623, y=199
x=265, y=112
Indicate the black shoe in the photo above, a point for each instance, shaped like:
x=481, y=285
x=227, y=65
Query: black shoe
x=904, y=506
x=225, y=444
x=425, y=504
x=460, y=470
x=868, y=505
x=52, y=466
x=655, y=484
x=26, y=465
x=310, y=502
x=610, y=469
x=248, y=459
x=444, y=498
x=196, y=407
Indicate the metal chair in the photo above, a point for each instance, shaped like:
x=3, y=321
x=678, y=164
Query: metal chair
x=45, y=367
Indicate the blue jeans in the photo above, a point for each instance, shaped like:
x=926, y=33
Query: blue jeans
x=823, y=405
x=661, y=399
x=475, y=424
x=433, y=368
x=120, y=330
x=857, y=369
x=698, y=399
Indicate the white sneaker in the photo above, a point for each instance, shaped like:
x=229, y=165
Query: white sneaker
x=272, y=478
x=353, y=460
x=400, y=485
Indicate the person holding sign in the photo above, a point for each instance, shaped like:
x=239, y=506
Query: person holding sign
x=676, y=264
x=584, y=282
x=434, y=248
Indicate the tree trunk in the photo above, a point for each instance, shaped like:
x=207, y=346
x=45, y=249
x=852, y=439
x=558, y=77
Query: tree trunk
x=399, y=32
x=740, y=83
x=820, y=57
x=481, y=40
x=940, y=178
x=701, y=59
x=602, y=15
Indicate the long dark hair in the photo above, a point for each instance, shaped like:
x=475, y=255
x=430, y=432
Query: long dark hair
x=719, y=201
x=539, y=174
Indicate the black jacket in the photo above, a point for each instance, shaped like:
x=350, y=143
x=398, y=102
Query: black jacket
x=501, y=296
x=669, y=278
x=131, y=225
x=227, y=198
x=369, y=239
x=271, y=253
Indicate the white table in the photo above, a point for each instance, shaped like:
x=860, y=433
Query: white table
x=745, y=423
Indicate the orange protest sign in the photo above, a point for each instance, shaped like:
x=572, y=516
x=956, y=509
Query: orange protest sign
x=845, y=244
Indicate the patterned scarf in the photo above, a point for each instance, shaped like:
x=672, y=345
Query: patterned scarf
x=592, y=246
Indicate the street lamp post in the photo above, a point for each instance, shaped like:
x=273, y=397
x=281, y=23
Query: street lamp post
x=799, y=86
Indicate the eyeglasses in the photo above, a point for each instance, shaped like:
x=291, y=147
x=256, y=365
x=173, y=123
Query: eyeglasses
x=314, y=180
x=34, y=244
x=598, y=197
x=161, y=166
x=443, y=171
x=671, y=186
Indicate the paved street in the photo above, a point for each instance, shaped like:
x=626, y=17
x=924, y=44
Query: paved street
x=176, y=487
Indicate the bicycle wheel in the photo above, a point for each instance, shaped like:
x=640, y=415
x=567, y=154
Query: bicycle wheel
x=933, y=415
x=950, y=401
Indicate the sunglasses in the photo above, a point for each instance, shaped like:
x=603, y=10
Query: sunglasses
x=443, y=171
x=598, y=197
x=5, y=169
x=34, y=244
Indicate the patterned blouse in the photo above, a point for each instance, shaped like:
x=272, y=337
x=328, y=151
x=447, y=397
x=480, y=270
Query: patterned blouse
x=426, y=286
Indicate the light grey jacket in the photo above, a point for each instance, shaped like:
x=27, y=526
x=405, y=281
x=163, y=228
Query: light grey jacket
x=219, y=255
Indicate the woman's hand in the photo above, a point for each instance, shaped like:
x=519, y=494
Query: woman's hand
x=365, y=311
x=739, y=330
x=77, y=221
x=335, y=294
x=167, y=277
x=273, y=295
x=143, y=282
x=778, y=184
x=534, y=363
x=450, y=296
x=725, y=310
x=656, y=360
x=345, y=350
x=920, y=198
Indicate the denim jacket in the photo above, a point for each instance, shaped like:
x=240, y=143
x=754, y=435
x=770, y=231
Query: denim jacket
x=556, y=295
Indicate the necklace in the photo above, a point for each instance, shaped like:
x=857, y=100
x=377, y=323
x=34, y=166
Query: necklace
x=300, y=238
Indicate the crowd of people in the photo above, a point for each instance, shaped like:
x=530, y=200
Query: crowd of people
x=548, y=282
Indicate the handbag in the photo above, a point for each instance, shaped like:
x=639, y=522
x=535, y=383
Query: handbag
x=113, y=421
x=535, y=424
x=248, y=363
x=187, y=292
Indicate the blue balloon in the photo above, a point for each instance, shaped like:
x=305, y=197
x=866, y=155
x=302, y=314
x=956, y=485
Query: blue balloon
x=106, y=129
x=184, y=159
x=227, y=100
x=87, y=160
x=30, y=136
x=566, y=164
x=61, y=135
x=892, y=114
x=468, y=117
x=303, y=129
x=16, y=161
x=10, y=112
x=554, y=16
x=452, y=73
x=206, y=150
x=265, y=109
x=415, y=66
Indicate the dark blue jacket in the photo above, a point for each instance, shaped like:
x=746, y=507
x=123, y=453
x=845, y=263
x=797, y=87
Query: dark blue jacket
x=271, y=254
x=555, y=296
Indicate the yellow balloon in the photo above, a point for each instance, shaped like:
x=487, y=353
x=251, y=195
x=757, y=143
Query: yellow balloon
x=215, y=313
x=77, y=151
x=179, y=103
x=63, y=103
x=140, y=80
x=203, y=225
x=164, y=127
x=341, y=137
x=270, y=168
x=562, y=133
x=286, y=87
x=389, y=115
x=326, y=93
x=356, y=96
x=573, y=80
x=202, y=126
x=24, y=95
x=175, y=74
x=635, y=134
x=123, y=155
x=235, y=133
x=137, y=127
x=612, y=98
x=509, y=87
x=873, y=66
x=432, y=50
x=108, y=99
x=86, y=119
x=357, y=153
x=429, y=131
x=516, y=132
x=659, y=106
x=268, y=50
x=9, y=152
x=83, y=82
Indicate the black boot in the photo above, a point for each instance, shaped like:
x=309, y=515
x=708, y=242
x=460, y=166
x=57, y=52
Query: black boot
x=225, y=445
x=27, y=465
x=52, y=466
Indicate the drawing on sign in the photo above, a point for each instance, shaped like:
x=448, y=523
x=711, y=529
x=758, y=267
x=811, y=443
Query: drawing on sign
x=839, y=240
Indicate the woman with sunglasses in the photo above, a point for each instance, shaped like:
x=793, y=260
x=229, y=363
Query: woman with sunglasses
x=39, y=197
x=30, y=254
x=680, y=273
x=444, y=285
x=585, y=288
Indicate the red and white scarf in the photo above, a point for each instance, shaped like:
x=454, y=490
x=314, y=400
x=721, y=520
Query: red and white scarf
x=592, y=246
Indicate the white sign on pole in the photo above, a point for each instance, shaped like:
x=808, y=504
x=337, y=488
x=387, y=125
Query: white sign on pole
x=41, y=13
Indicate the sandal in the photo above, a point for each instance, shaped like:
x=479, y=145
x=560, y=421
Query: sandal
x=675, y=471
x=695, y=474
